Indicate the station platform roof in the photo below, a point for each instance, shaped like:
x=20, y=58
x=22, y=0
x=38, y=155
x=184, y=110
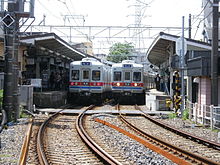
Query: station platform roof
x=53, y=44
x=159, y=50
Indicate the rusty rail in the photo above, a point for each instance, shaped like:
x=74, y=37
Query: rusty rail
x=92, y=145
x=182, y=133
x=25, y=145
x=177, y=150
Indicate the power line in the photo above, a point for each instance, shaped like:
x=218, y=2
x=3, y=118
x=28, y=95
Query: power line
x=51, y=13
x=201, y=21
x=197, y=16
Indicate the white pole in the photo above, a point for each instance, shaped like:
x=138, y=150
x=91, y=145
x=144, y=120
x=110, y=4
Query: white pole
x=182, y=62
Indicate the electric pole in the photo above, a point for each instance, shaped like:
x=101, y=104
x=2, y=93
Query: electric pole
x=214, y=54
x=10, y=21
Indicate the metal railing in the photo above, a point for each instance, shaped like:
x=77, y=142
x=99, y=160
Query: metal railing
x=208, y=115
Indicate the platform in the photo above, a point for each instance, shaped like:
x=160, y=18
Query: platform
x=156, y=100
x=51, y=99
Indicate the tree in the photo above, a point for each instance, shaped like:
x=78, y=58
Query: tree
x=120, y=51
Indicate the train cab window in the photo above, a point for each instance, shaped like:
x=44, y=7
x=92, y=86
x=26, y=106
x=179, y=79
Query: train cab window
x=127, y=76
x=117, y=76
x=85, y=74
x=137, y=76
x=96, y=75
x=75, y=74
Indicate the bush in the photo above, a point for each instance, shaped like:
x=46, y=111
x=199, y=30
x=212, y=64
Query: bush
x=172, y=115
x=185, y=114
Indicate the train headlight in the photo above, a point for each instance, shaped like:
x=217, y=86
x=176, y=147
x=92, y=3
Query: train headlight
x=135, y=84
x=118, y=84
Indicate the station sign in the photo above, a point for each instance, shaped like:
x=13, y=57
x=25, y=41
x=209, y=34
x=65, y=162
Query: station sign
x=7, y=20
x=179, y=43
x=127, y=65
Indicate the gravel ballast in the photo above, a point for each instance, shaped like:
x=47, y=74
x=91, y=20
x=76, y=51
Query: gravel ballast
x=12, y=139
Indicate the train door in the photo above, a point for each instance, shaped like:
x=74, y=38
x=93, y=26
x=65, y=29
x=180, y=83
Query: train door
x=127, y=82
x=86, y=79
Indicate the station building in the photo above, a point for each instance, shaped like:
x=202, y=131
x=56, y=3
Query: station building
x=39, y=55
x=197, y=74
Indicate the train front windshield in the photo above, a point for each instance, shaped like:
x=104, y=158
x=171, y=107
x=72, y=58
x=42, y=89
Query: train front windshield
x=96, y=75
x=117, y=76
x=75, y=74
x=137, y=76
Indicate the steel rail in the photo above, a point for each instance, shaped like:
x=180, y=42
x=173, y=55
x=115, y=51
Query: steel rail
x=178, y=150
x=25, y=145
x=40, y=146
x=4, y=120
x=182, y=133
x=90, y=143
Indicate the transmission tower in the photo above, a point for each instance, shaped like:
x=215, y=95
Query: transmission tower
x=139, y=13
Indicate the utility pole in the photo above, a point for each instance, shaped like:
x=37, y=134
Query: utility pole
x=214, y=54
x=10, y=20
x=182, y=62
x=190, y=25
x=9, y=29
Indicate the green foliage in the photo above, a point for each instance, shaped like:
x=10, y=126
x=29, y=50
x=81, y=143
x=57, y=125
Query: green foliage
x=215, y=130
x=120, y=51
x=172, y=115
x=185, y=114
x=22, y=113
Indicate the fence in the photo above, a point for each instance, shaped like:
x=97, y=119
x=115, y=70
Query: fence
x=207, y=115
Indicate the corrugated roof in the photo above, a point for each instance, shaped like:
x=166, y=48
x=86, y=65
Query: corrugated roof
x=159, y=49
x=54, y=43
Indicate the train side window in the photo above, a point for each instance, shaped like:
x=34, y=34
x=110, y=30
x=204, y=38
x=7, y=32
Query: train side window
x=75, y=74
x=117, y=76
x=137, y=76
x=127, y=76
x=85, y=74
x=96, y=75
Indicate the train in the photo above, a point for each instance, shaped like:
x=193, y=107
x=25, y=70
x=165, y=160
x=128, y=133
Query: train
x=128, y=82
x=92, y=81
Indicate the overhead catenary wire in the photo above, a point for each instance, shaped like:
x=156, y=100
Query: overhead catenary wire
x=197, y=16
x=200, y=23
x=51, y=13
x=88, y=38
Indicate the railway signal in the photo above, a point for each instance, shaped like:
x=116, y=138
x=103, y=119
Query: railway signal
x=177, y=90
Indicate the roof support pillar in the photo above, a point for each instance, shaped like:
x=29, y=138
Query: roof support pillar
x=214, y=55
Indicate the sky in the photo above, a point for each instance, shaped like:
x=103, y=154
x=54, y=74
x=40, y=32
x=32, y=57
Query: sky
x=157, y=13
x=117, y=12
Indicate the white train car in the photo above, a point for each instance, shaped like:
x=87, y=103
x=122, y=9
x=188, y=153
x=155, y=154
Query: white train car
x=127, y=82
x=90, y=81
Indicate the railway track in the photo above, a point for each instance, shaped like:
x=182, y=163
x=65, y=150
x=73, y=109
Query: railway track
x=29, y=153
x=68, y=139
x=188, y=148
x=62, y=139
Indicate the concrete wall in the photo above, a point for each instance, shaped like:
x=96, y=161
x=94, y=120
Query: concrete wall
x=53, y=99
